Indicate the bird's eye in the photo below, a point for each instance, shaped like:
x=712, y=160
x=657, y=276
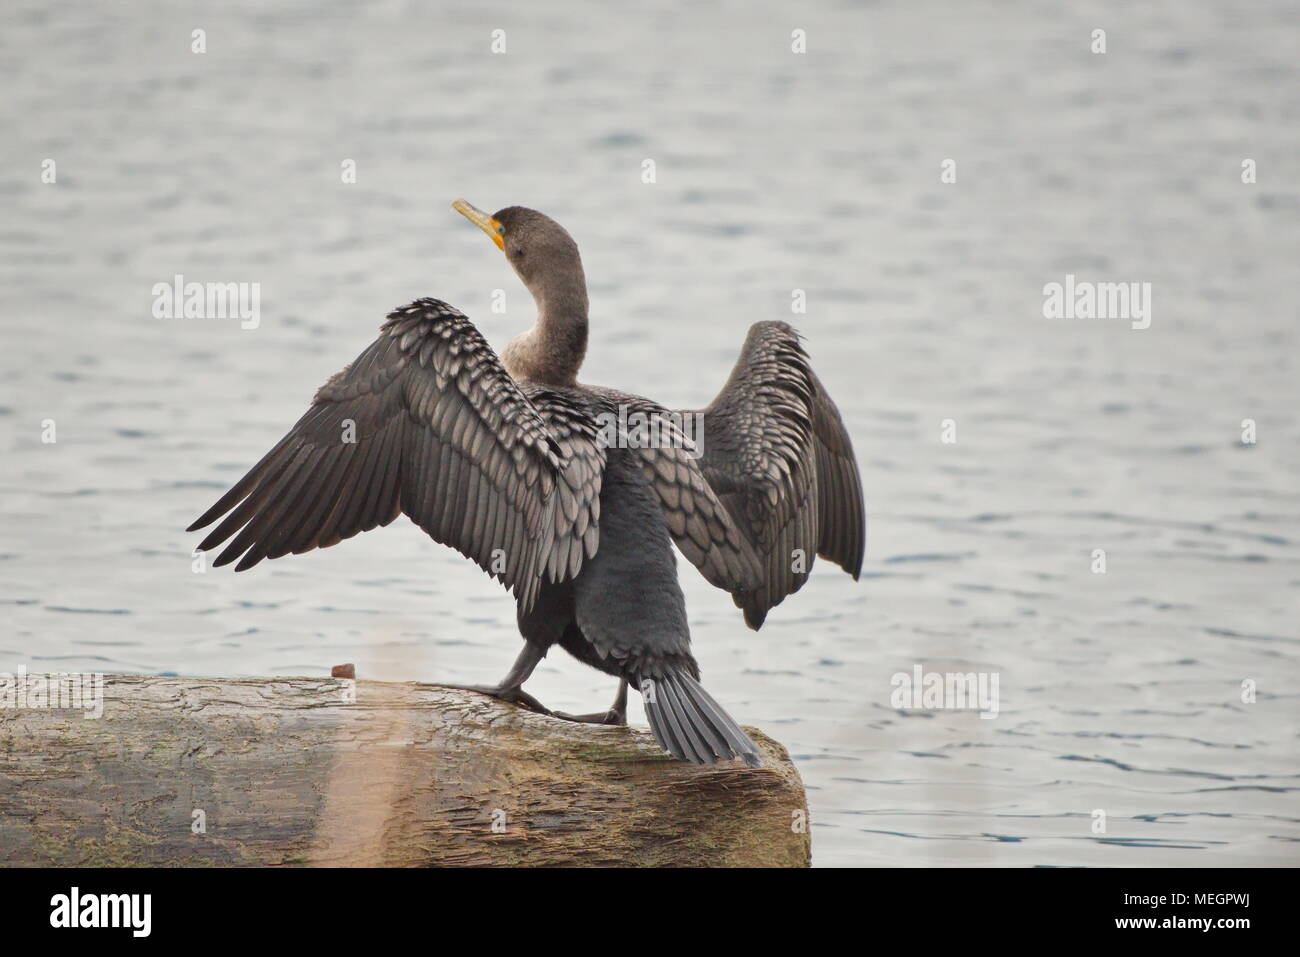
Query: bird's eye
x=501, y=230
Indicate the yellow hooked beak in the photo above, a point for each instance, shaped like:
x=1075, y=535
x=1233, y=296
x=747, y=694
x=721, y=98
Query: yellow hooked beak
x=483, y=221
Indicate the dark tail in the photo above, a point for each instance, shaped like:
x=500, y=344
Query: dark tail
x=690, y=725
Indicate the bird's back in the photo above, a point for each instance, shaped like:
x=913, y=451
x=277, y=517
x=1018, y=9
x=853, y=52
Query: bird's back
x=626, y=599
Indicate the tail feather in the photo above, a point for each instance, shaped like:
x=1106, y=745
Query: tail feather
x=713, y=713
x=685, y=723
x=663, y=731
x=657, y=730
x=716, y=742
x=690, y=725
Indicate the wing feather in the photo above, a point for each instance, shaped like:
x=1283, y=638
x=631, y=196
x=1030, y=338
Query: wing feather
x=427, y=421
x=778, y=456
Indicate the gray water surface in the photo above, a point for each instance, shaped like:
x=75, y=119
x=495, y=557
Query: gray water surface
x=1120, y=692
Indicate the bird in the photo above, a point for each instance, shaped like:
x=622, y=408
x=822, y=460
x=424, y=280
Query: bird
x=559, y=490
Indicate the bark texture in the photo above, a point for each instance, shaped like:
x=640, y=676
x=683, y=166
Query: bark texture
x=289, y=772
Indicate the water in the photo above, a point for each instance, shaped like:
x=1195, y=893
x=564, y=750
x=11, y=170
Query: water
x=1119, y=691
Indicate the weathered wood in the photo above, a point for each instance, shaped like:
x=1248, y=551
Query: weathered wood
x=287, y=772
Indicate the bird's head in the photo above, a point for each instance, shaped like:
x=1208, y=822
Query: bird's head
x=540, y=250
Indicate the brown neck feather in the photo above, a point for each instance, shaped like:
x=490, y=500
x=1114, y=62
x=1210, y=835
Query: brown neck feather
x=551, y=352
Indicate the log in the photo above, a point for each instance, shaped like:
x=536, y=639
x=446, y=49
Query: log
x=246, y=772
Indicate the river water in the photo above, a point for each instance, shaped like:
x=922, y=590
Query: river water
x=1120, y=692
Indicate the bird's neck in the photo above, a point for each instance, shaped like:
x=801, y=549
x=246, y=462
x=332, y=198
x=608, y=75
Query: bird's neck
x=551, y=352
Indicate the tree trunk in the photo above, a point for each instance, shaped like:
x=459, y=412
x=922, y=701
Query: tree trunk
x=194, y=771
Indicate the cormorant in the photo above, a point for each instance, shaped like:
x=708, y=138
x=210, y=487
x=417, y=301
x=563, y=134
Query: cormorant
x=540, y=482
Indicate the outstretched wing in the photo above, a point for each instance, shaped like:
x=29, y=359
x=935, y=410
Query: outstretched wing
x=776, y=453
x=427, y=421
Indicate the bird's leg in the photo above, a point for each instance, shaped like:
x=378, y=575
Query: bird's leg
x=511, y=688
x=617, y=714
